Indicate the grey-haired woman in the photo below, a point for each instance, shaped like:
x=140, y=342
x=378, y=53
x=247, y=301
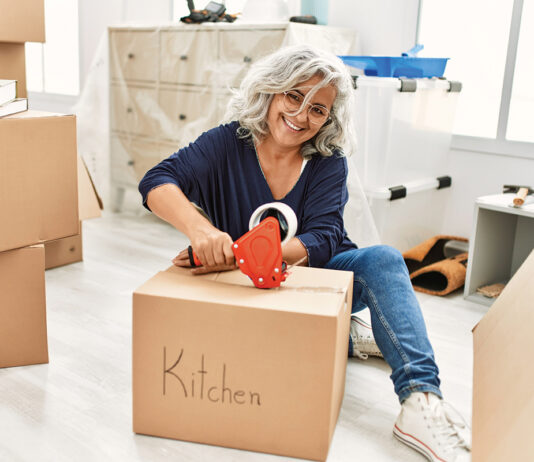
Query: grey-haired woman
x=291, y=117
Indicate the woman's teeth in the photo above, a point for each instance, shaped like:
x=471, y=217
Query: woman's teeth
x=290, y=125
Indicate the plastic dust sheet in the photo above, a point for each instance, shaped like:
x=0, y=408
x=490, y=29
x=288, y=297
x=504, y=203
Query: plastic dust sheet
x=152, y=90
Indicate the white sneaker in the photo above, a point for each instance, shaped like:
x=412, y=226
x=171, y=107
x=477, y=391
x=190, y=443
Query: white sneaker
x=363, y=341
x=433, y=428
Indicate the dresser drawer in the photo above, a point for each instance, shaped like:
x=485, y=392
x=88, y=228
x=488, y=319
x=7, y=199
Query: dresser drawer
x=135, y=110
x=188, y=57
x=240, y=48
x=131, y=159
x=188, y=113
x=134, y=55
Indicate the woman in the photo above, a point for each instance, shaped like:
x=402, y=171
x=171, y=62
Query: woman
x=291, y=117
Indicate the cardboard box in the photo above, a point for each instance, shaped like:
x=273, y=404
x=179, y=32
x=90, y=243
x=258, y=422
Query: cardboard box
x=218, y=361
x=38, y=178
x=64, y=251
x=503, y=377
x=13, y=65
x=22, y=21
x=23, y=338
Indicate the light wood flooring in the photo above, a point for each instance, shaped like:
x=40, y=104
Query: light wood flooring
x=78, y=407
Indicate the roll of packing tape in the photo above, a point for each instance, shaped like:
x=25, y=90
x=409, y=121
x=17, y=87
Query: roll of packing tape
x=285, y=215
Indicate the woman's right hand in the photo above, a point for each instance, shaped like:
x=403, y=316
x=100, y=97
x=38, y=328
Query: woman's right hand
x=212, y=247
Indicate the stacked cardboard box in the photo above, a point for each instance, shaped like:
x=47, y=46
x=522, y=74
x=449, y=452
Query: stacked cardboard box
x=39, y=197
x=42, y=185
x=20, y=21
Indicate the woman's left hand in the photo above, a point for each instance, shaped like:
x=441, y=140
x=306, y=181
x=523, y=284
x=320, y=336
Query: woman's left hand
x=182, y=259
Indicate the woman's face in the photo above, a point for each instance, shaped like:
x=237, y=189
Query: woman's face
x=291, y=131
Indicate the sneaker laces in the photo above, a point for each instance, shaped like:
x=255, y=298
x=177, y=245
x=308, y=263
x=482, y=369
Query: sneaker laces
x=449, y=425
x=363, y=341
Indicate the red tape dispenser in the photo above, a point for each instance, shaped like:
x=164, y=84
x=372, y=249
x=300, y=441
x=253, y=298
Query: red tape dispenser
x=259, y=254
x=259, y=251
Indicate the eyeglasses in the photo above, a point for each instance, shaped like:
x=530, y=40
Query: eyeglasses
x=293, y=100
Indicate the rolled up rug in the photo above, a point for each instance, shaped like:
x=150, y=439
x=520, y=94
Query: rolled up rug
x=428, y=252
x=442, y=277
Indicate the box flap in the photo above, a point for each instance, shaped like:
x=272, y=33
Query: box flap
x=228, y=288
x=503, y=402
x=89, y=202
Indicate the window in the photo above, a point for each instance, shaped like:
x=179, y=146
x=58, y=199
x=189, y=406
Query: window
x=53, y=67
x=489, y=43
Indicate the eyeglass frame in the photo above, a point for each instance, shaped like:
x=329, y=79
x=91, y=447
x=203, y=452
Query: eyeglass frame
x=328, y=118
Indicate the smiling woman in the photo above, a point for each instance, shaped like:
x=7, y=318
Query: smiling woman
x=290, y=120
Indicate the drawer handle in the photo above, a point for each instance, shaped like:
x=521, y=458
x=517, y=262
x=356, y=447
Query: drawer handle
x=131, y=162
x=247, y=59
x=131, y=56
x=183, y=57
x=182, y=116
x=129, y=110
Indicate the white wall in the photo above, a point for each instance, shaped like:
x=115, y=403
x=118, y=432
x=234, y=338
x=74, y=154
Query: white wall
x=477, y=174
x=386, y=27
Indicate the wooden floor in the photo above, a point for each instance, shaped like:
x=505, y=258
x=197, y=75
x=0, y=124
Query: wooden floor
x=78, y=407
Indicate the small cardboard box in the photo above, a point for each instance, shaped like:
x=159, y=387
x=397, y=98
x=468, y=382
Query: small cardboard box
x=503, y=376
x=218, y=361
x=13, y=65
x=22, y=21
x=64, y=251
x=38, y=178
x=23, y=338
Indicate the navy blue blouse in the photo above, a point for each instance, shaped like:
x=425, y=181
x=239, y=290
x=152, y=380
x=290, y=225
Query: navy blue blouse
x=220, y=172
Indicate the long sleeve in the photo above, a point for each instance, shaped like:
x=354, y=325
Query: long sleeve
x=190, y=168
x=321, y=229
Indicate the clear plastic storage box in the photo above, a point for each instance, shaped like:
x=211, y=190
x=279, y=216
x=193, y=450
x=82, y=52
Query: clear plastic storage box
x=404, y=129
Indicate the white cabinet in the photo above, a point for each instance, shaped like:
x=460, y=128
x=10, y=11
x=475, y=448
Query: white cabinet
x=188, y=57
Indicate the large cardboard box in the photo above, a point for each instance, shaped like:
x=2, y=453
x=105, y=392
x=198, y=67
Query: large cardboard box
x=13, y=65
x=38, y=178
x=22, y=21
x=69, y=249
x=23, y=338
x=218, y=361
x=503, y=377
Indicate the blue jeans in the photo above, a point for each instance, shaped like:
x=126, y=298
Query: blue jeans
x=382, y=283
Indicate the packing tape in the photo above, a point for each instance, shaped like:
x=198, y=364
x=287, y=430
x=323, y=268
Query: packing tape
x=281, y=210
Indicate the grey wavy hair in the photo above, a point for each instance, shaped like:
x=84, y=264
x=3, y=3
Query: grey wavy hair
x=284, y=70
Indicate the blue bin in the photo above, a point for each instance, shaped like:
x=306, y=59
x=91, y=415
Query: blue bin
x=402, y=66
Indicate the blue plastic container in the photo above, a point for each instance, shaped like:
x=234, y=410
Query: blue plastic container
x=401, y=66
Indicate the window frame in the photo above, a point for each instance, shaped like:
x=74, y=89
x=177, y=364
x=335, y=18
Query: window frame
x=499, y=145
x=44, y=96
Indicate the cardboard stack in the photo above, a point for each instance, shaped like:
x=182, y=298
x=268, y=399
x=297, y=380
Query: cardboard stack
x=42, y=185
x=218, y=361
x=39, y=191
x=21, y=21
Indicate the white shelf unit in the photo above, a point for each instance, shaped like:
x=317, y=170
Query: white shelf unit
x=501, y=240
